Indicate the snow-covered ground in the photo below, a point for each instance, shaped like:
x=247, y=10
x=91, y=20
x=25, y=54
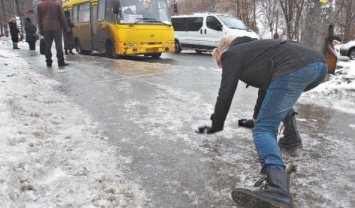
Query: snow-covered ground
x=53, y=154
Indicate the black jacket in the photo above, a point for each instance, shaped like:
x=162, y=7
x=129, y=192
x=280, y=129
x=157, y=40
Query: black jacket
x=257, y=63
x=30, y=30
x=14, y=31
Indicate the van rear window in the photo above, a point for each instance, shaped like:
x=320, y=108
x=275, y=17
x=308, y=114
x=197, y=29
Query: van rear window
x=187, y=23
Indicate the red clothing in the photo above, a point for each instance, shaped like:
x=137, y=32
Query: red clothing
x=50, y=16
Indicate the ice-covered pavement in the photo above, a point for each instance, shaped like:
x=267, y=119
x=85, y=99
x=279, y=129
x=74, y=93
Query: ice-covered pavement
x=55, y=152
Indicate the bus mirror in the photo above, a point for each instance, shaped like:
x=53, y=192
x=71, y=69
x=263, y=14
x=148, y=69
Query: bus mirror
x=175, y=7
x=116, y=7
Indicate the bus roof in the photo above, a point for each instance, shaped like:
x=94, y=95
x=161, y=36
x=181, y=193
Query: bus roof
x=72, y=2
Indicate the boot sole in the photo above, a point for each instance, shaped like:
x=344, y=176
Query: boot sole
x=291, y=146
x=248, y=199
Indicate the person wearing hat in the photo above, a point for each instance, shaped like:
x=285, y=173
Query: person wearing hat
x=31, y=35
x=14, y=32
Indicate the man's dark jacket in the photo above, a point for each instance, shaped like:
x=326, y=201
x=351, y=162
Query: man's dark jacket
x=50, y=16
x=257, y=63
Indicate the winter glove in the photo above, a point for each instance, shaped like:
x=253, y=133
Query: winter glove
x=248, y=123
x=205, y=130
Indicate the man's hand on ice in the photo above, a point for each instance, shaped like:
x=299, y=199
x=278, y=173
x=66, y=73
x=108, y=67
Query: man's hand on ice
x=205, y=130
x=248, y=123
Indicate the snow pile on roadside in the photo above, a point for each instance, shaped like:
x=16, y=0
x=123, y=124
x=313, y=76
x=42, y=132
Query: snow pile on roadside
x=51, y=152
x=338, y=92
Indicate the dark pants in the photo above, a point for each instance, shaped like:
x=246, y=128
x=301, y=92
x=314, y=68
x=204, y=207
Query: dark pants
x=68, y=41
x=49, y=36
x=32, y=45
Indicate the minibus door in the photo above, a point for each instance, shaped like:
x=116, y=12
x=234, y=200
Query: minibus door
x=94, y=26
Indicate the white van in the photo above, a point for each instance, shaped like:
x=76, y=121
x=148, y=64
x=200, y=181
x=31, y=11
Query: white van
x=202, y=32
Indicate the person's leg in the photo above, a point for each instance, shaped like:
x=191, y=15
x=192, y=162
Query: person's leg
x=279, y=101
x=59, y=48
x=65, y=37
x=48, y=41
x=281, y=96
x=32, y=45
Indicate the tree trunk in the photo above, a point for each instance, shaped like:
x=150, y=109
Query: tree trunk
x=4, y=18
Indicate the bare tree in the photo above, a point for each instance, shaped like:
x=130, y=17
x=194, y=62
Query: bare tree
x=292, y=10
x=270, y=15
x=346, y=18
x=3, y=25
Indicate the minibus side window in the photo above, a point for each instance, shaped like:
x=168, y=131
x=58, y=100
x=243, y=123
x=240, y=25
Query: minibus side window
x=101, y=15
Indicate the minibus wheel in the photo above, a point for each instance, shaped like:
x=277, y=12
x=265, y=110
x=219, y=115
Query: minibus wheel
x=110, y=50
x=177, y=47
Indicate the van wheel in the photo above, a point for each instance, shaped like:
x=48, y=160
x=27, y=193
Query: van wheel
x=199, y=51
x=352, y=54
x=110, y=50
x=177, y=47
x=156, y=55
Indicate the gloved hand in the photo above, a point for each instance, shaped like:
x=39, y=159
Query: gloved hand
x=248, y=123
x=205, y=130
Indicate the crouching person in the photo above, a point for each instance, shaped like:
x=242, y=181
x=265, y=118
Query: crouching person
x=286, y=69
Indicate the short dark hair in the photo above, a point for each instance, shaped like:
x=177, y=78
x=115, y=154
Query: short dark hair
x=28, y=19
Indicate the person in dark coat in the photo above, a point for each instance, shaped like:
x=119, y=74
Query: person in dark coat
x=51, y=24
x=14, y=32
x=68, y=36
x=31, y=36
x=286, y=69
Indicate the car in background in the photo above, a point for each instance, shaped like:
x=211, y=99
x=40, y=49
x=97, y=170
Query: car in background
x=202, y=31
x=348, y=49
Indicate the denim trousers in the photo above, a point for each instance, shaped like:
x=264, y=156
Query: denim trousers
x=278, y=103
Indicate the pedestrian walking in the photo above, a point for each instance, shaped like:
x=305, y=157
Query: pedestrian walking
x=286, y=69
x=68, y=36
x=14, y=32
x=31, y=35
x=51, y=24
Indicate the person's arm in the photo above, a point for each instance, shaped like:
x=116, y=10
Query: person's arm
x=62, y=18
x=39, y=20
x=229, y=83
x=259, y=102
x=69, y=22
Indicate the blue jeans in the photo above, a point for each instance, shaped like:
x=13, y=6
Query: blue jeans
x=278, y=103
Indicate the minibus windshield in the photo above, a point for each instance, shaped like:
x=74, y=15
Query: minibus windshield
x=142, y=12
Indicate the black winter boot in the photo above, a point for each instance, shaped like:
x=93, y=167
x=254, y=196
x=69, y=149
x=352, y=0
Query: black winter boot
x=291, y=139
x=66, y=52
x=15, y=46
x=275, y=193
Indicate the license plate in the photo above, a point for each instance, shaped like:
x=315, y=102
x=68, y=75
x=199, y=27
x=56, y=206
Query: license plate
x=152, y=50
